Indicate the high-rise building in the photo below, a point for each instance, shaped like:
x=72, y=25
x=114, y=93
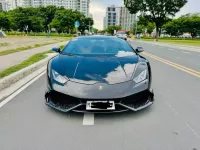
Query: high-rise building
x=127, y=20
x=7, y=5
x=119, y=16
x=80, y=5
x=104, y=23
x=90, y=15
x=112, y=16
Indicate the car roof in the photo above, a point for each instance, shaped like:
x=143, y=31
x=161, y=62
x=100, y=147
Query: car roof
x=96, y=37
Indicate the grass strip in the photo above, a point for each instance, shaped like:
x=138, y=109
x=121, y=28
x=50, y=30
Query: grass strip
x=33, y=59
x=3, y=44
x=180, y=42
x=183, y=42
x=6, y=52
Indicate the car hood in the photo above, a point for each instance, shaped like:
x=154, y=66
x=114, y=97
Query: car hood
x=90, y=70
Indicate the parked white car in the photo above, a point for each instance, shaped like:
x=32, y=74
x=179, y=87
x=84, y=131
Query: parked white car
x=122, y=35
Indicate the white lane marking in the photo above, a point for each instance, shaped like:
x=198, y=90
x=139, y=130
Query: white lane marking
x=88, y=119
x=193, y=130
x=20, y=90
x=185, y=52
x=178, y=57
x=171, y=49
x=186, y=122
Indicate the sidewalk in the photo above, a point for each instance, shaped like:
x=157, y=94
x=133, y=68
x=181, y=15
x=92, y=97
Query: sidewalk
x=170, y=45
x=16, y=58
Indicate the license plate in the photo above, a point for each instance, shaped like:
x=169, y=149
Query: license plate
x=100, y=105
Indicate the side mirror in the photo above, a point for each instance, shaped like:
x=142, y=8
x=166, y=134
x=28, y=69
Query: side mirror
x=56, y=49
x=139, y=49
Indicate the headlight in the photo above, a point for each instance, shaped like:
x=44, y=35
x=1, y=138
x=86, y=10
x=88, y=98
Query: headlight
x=58, y=77
x=141, y=77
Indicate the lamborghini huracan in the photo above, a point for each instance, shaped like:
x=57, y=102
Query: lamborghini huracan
x=98, y=74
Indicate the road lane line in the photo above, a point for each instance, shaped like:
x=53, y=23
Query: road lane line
x=193, y=130
x=20, y=90
x=174, y=63
x=171, y=49
x=185, y=69
x=88, y=119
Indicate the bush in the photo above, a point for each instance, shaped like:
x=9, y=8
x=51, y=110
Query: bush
x=170, y=38
x=38, y=34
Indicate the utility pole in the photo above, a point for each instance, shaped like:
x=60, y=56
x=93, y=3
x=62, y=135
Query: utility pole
x=136, y=25
x=89, y=26
x=27, y=29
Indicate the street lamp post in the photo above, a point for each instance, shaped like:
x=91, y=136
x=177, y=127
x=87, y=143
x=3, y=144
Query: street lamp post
x=136, y=25
x=49, y=31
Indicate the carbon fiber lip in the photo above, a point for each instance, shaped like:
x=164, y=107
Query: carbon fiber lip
x=78, y=106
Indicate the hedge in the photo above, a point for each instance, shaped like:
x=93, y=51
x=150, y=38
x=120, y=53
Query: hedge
x=39, y=34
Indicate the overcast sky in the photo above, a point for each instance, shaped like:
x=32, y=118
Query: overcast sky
x=98, y=9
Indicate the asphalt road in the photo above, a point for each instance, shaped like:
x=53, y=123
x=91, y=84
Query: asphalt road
x=172, y=123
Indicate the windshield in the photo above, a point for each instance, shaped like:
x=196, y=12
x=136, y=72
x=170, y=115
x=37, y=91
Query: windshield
x=91, y=46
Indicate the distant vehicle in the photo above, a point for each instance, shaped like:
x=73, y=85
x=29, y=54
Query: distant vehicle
x=185, y=35
x=98, y=74
x=122, y=35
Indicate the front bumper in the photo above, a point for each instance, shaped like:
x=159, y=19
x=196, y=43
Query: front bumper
x=66, y=103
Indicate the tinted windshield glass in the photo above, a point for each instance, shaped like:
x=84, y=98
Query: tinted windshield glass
x=97, y=46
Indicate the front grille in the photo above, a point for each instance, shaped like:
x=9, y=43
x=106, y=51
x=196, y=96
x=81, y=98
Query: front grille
x=66, y=103
x=138, y=97
x=61, y=101
x=60, y=98
x=136, y=104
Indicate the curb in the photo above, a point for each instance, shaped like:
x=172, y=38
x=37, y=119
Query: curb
x=14, y=77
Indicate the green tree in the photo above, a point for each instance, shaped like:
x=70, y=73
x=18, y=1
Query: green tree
x=47, y=13
x=36, y=23
x=150, y=27
x=5, y=22
x=186, y=23
x=63, y=20
x=140, y=29
x=173, y=27
x=191, y=24
x=20, y=17
x=142, y=21
x=95, y=30
x=145, y=25
x=111, y=29
x=157, y=11
x=85, y=24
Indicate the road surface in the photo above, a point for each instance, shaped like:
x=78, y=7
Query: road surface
x=172, y=123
